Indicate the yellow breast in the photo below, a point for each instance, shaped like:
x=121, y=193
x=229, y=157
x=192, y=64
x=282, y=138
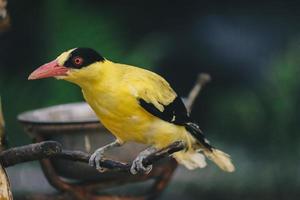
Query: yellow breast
x=120, y=114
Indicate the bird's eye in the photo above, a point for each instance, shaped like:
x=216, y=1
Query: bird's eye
x=78, y=61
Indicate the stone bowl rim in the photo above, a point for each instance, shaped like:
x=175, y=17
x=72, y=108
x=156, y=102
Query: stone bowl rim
x=27, y=116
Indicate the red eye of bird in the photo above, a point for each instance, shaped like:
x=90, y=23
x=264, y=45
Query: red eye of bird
x=78, y=60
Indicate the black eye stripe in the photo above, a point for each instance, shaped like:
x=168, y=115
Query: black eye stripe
x=87, y=55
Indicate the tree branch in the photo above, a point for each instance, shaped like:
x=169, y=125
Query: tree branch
x=4, y=17
x=52, y=149
x=5, y=191
x=29, y=153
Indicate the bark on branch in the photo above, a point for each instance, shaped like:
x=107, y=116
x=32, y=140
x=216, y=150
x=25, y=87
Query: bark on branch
x=52, y=149
x=5, y=192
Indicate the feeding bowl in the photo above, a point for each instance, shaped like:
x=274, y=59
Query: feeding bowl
x=76, y=127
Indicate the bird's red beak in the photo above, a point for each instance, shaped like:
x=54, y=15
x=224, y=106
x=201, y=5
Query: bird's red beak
x=50, y=69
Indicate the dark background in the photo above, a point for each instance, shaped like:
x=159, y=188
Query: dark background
x=251, y=50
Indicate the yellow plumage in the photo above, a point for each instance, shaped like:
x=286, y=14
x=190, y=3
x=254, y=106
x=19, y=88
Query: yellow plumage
x=134, y=104
x=112, y=91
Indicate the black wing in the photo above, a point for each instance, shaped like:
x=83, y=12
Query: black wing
x=176, y=113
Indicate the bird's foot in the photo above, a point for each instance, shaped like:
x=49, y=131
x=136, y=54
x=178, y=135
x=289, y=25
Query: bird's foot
x=98, y=155
x=137, y=166
x=95, y=159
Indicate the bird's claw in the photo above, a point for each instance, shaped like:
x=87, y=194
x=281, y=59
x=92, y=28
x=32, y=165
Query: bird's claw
x=95, y=159
x=137, y=166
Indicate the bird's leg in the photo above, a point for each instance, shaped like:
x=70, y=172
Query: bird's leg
x=137, y=165
x=98, y=155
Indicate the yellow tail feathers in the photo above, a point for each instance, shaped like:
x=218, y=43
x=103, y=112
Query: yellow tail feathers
x=221, y=159
x=190, y=159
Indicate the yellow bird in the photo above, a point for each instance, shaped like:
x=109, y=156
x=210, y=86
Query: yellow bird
x=136, y=105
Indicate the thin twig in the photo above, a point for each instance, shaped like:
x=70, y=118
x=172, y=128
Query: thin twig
x=202, y=80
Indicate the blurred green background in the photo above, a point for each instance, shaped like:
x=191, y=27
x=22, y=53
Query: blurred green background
x=251, y=50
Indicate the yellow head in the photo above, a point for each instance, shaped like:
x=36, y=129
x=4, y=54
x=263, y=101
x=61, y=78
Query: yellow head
x=76, y=65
